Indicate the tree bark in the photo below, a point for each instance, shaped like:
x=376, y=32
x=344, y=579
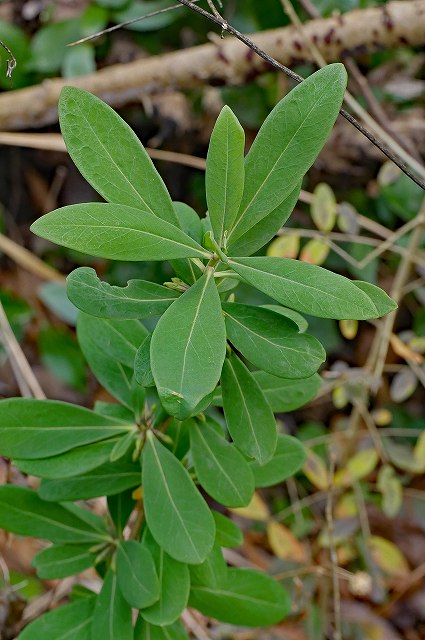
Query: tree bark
x=226, y=61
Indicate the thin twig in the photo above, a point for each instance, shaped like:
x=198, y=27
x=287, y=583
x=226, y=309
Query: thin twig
x=332, y=551
x=401, y=277
x=11, y=63
x=126, y=23
x=274, y=63
x=28, y=383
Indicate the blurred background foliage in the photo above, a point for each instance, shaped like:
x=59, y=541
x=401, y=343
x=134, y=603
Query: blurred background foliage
x=369, y=527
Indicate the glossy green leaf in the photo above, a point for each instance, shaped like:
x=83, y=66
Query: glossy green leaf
x=288, y=143
x=221, y=469
x=224, y=177
x=142, y=364
x=228, y=533
x=177, y=516
x=112, y=614
x=71, y=463
x=139, y=299
x=69, y=622
x=174, y=585
x=110, y=478
x=63, y=560
x=38, y=429
x=247, y=597
x=23, y=512
x=212, y=571
x=380, y=299
x=136, y=574
x=117, y=232
x=249, y=417
x=272, y=342
x=187, y=367
x=110, y=156
x=306, y=288
x=288, y=458
x=138, y=8
x=144, y=631
x=254, y=237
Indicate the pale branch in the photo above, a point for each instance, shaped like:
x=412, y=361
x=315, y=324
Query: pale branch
x=226, y=61
x=225, y=26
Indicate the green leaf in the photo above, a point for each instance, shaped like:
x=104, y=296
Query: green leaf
x=306, y=288
x=289, y=457
x=283, y=395
x=120, y=507
x=272, y=342
x=176, y=514
x=221, y=469
x=145, y=630
x=122, y=446
x=142, y=364
x=249, y=417
x=247, y=597
x=174, y=583
x=191, y=224
x=138, y=8
x=380, y=299
x=288, y=143
x=41, y=428
x=110, y=156
x=139, y=299
x=228, y=533
x=212, y=571
x=287, y=395
x=63, y=560
x=136, y=574
x=69, y=622
x=224, y=177
x=187, y=368
x=257, y=235
x=79, y=61
x=296, y=317
x=112, y=374
x=71, y=463
x=110, y=478
x=117, y=232
x=118, y=339
x=23, y=512
x=112, y=614
x=60, y=354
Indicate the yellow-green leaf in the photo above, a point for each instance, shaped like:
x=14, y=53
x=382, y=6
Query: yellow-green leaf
x=323, y=207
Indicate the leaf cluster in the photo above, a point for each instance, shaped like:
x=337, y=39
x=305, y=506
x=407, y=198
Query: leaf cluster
x=160, y=546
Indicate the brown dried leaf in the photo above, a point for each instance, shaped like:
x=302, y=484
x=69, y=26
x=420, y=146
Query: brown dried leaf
x=316, y=471
x=255, y=510
x=284, y=544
